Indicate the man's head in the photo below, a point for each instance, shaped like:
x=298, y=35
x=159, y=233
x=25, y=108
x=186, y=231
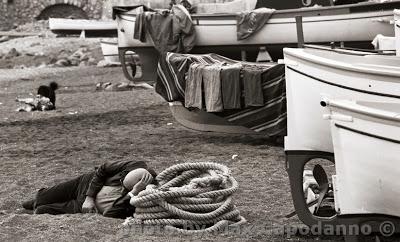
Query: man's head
x=138, y=176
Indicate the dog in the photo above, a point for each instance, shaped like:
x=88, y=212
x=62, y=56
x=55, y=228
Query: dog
x=49, y=92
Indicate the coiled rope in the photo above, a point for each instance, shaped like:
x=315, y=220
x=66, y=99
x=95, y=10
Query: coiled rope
x=188, y=196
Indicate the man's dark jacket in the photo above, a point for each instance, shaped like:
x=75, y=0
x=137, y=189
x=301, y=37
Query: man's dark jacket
x=112, y=174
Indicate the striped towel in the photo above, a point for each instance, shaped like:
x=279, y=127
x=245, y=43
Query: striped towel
x=269, y=119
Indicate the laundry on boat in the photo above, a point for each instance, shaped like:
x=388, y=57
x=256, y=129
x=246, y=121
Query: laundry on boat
x=268, y=117
x=170, y=30
x=250, y=22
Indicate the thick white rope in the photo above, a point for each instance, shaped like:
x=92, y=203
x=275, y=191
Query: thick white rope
x=189, y=195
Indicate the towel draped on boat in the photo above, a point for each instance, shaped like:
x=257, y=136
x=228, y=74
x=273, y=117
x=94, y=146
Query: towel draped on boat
x=249, y=22
x=170, y=30
x=269, y=118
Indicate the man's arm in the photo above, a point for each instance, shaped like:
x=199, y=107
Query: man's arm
x=122, y=207
x=104, y=172
x=108, y=170
x=89, y=206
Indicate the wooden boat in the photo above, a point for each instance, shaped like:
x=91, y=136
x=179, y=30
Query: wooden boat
x=83, y=27
x=312, y=73
x=366, y=180
x=216, y=33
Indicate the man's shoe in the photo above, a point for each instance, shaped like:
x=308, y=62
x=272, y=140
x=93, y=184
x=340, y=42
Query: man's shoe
x=29, y=205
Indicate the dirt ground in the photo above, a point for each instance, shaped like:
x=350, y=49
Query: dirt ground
x=40, y=149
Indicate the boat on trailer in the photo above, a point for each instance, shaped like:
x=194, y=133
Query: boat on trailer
x=355, y=25
x=314, y=74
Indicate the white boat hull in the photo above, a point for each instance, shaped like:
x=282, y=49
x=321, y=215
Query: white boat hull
x=340, y=26
x=110, y=51
x=367, y=148
x=397, y=30
x=83, y=27
x=217, y=33
x=312, y=74
x=81, y=24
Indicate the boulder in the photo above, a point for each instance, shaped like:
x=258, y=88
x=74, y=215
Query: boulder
x=12, y=54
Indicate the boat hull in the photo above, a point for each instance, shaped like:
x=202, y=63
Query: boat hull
x=91, y=28
x=205, y=122
x=217, y=33
x=312, y=74
x=110, y=51
x=397, y=30
x=366, y=180
x=339, y=26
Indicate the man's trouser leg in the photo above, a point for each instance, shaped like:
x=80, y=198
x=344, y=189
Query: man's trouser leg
x=66, y=197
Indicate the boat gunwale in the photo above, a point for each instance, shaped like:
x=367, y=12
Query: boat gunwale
x=306, y=20
x=108, y=42
x=354, y=107
x=294, y=11
x=319, y=60
x=366, y=134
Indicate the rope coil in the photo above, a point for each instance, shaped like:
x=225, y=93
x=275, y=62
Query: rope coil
x=187, y=195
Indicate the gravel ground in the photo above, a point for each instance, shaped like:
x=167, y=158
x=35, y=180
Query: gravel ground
x=40, y=149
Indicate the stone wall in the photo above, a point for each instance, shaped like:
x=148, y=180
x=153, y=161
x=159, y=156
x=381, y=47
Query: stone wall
x=16, y=12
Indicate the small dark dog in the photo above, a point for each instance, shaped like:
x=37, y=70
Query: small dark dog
x=49, y=92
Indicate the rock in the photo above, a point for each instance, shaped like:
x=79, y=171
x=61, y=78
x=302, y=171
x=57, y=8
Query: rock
x=4, y=39
x=83, y=63
x=62, y=54
x=84, y=57
x=104, y=63
x=74, y=62
x=20, y=67
x=40, y=54
x=78, y=54
x=12, y=54
x=92, y=61
x=62, y=62
x=43, y=65
x=34, y=44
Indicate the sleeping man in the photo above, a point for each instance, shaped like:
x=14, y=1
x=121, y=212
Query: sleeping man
x=106, y=191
